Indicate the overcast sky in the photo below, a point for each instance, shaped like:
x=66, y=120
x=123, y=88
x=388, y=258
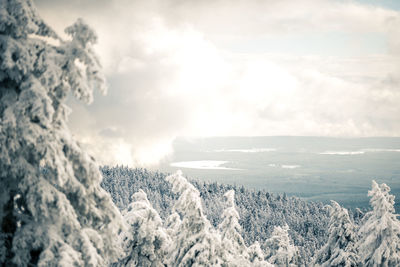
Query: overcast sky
x=235, y=67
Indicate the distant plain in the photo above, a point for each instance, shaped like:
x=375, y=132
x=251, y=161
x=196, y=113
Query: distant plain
x=313, y=168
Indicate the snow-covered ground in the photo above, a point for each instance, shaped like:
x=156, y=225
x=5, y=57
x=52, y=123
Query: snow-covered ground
x=284, y=166
x=342, y=153
x=202, y=164
x=359, y=152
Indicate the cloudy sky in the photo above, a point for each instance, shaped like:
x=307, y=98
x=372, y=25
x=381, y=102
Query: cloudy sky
x=233, y=68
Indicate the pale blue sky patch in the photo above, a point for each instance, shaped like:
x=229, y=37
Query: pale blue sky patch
x=389, y=4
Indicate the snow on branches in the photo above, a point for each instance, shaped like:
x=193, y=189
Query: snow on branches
x=53, y=211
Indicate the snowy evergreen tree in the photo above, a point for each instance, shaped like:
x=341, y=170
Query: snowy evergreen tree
x=379, y=243
x=53, y=211
x=146, y=241
x=340, y=250
x=233, y=244
x=259, y=210
x=280, y=250
x=256, y=256
x=196, y=243
x=173, y=223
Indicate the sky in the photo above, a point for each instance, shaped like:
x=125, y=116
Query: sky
x=199, y=68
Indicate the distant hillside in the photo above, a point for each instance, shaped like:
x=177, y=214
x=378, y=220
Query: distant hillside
x=259, y=210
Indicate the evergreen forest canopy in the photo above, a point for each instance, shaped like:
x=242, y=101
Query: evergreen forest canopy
x=54, y=212
x=316, y=235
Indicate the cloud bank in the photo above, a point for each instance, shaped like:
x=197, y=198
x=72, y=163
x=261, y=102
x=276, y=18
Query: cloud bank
x=207, y=68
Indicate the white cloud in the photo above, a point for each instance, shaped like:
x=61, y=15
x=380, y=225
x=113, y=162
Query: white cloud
x=172, y=72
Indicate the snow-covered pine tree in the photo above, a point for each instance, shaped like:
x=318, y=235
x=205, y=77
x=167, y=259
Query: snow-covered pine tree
x=256, y=256
x=196, y=243
x=172, y=224
x=308, y=220
x=379, y=243
x=53, y=211
x=280, y=250
x=146, y=241
x=340, y=250
x=235, y=250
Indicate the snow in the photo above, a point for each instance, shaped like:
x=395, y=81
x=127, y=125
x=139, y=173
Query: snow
x=379, y=244
x=340, y=249
x=50, y=199
x=360, y=152
x=284, y=166
x=290, y=166
x=54, y=213
x=381, y=150
x=280, y=248
x=342, y=153
x=235, y=250
x=196, y=242
x=203, y=164
x=146, y=242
